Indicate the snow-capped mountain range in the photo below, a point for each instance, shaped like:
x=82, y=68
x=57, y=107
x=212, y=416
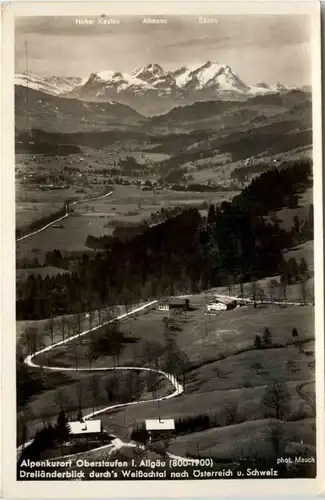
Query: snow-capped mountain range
x=151, y=87
x=53, y=85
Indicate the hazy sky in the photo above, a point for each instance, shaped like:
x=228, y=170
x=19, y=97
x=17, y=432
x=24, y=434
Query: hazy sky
x=257, y=48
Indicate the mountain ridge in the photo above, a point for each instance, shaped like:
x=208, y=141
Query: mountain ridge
x=151, y=89
x=55, y=113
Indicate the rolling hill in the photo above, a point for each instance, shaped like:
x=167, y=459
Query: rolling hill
x=53, y=113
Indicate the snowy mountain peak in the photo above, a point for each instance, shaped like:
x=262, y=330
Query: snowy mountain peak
x=105, y=75
x=151, y=87
x=149, y=73
x=154, y=69
x=279, y=87
x=53, y=85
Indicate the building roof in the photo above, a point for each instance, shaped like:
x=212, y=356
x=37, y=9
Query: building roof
x=162, y=424
x=174, y=300
x=178, y=301
x=224, y=300
x=86, y=427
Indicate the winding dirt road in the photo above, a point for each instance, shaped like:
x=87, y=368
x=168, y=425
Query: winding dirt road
x=178, y=388
x=116, y=443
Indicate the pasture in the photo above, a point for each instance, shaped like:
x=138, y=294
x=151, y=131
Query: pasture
x=28, y=212
x=127, y=205
x=204, y=338
x=70, y=237
x=246, y=439
x=243, y=405
x=226, y=375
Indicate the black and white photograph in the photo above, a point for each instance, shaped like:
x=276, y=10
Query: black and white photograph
x=164, y=247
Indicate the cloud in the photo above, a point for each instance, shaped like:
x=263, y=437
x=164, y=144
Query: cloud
x=254, y=46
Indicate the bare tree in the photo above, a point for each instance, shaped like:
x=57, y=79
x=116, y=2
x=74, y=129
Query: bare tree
x=116, y=350
x=303, y=290
x=111, y=312
x=91, y=316
x=261, y=295
x=129, y=385
x=50, y=329
x=219, y=372
x=91, y=354
x=138, y=385
x=63, y=327
x=310, y=400
x=257, y=342
x=112, y=388
x=257, y=367
x=94, y=386
x=166, y=322
x=230, y=413
x=291, y=366
x=99, y=315
x=22, y=428
x=151, y=382
x=275, y=436
x=76, y=324
x=267, y=337
x=76, y=351
x=30, y=339
x=126, y=300
x=254, y=292
x=273, y=284
x=284, y=283
x=276, y=400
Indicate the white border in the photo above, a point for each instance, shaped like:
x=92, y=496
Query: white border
x=141, y=489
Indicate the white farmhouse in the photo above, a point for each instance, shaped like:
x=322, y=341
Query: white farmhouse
x=224, y=304
x=160, y=428
x=85, y=427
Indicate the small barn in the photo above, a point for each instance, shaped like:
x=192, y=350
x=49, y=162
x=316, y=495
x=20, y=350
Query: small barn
x=174, y=304
x=224, y=304
x=163, y=305
x=82, y=430
x=160, y=428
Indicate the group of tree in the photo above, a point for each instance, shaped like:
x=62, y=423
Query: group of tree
x=130, y=166
x=238, y=245
x=276, y=401
x=303, y=227
x=106, y=341
x=202, y=188
x=243, y=174
x=47, y=437
x=263, y=341
x=292, y=272
x=164, y=214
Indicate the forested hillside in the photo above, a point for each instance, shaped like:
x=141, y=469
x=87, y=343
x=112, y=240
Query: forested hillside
x=237, y=242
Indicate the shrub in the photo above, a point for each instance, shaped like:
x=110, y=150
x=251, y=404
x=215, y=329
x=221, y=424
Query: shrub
x=257, y=342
